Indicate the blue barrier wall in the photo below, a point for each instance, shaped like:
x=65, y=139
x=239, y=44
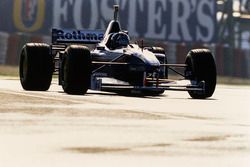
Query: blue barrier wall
x=167, y=20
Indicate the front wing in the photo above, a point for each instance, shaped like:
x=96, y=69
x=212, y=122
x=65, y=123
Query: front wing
x=113, y=85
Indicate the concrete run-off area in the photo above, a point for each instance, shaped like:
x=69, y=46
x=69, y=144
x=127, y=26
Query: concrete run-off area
x=103, y=129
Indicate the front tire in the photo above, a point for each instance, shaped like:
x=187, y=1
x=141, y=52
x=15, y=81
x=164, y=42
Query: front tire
x=201, y=67
x=76, y=70
x=36, y=67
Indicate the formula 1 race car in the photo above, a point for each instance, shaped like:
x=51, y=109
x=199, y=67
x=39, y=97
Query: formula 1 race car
x=115, y=64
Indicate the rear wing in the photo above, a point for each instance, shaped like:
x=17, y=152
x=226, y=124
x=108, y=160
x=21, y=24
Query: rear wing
x=76, y=36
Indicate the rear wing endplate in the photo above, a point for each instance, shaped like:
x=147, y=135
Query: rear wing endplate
x=76, y=36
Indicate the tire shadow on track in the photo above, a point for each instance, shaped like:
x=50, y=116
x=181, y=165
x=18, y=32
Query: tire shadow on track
x=123, y=94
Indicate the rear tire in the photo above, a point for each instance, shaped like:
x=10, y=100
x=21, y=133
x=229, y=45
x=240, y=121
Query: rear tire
x=201, y=67
x=76, y=70
x=36, y=67
x=156, y=50
x=164, y=70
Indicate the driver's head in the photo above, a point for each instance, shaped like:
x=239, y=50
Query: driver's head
x=120, y=40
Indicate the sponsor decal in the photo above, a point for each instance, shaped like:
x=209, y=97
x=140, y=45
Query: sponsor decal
x=76, y=36
x=167, y=20
x=171, y=20
x=28, y=14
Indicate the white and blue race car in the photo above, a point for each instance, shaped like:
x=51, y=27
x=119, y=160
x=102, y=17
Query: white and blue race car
x=115, y=64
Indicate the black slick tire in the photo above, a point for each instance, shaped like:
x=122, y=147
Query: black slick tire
x=201, y=67
x=76, y=70
x=36, y=67
x=158, y=50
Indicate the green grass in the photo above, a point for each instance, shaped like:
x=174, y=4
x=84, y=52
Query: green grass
x=233, y=81
x=12, y=71
x=8, y=70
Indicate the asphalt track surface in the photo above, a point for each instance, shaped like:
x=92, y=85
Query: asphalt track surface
x=53, y=129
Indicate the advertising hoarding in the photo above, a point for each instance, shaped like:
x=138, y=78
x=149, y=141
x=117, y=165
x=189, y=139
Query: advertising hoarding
x=166, y=20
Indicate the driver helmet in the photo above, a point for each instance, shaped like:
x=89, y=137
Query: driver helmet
x=120, y=40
